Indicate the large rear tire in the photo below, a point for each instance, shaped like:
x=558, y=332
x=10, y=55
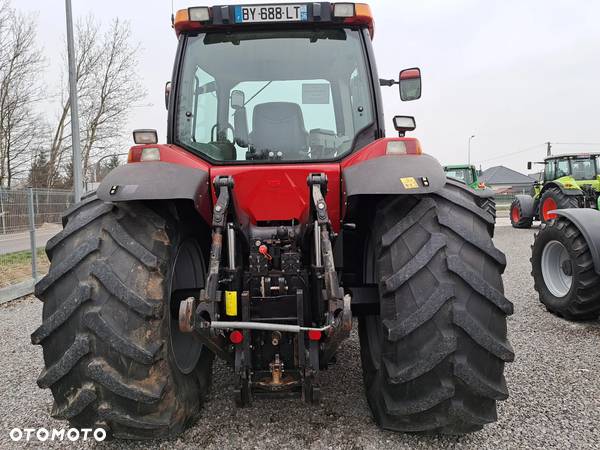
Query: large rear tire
x=554, y=198
x=489, y=204
x=433, y=360
x=563, y=271
x=516, y=216
x=114, y=356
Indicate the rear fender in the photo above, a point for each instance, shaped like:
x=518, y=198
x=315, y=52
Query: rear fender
x=587, y=220
x=394, y=174
x=370, y=175
x=158, y=181
x=575, y=190
x=527, y=205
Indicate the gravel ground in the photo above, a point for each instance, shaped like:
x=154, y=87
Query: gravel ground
x=554, y=388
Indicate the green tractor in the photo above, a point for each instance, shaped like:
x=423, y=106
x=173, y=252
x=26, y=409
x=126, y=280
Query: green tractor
x=568, y=181
x=467, y=174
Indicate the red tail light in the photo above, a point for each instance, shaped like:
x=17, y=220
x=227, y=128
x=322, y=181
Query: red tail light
x=404, y=146
x=236, y=337
x=143, y=154
x=314, y=335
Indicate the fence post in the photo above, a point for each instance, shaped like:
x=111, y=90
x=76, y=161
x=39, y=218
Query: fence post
x=2, y=211
x=32, y=236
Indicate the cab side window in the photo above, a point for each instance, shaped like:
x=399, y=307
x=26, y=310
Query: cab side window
x=562, y=168
x=205, y=107
x=361, y=113
x=549, y=171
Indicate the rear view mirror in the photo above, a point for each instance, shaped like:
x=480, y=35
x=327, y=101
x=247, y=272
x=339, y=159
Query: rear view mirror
x=529, y=165
x=402, y=124
x=237, y=99
x=167, y=94
x=410, y=84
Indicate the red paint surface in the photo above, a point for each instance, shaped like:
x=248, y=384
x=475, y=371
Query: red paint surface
x=279, y=191
x=276, y=192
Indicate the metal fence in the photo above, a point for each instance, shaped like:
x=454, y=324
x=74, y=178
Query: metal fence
x=28, y=218
x=504, y=200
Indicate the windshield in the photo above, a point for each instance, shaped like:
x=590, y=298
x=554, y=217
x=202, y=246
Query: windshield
x=464, y=175
x=583, y=169
x=273, y=95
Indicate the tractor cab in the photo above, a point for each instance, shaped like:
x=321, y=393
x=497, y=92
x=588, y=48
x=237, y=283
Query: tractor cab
x=303, y=88
x=465, y=174
x=580, y=167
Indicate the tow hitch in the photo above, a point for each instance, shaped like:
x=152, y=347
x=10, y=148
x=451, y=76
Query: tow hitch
x=258, y=315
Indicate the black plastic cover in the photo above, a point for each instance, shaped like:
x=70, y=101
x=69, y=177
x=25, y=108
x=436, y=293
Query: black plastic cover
x=156, y=181
x=392, y=174
x=587, y=220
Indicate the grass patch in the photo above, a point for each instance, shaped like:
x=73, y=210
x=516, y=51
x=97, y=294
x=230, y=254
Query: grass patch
x=16, y=267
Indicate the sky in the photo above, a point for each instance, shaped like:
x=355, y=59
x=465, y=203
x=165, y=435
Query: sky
x=514, y=73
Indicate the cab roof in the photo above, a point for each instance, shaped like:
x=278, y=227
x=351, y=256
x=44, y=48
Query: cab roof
x=572, y=155
x=204, y=18
x=459, y=166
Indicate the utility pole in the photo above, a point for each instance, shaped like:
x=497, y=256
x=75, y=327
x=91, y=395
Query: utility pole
x=77, y=184
x=549, y=149
x=469, y=154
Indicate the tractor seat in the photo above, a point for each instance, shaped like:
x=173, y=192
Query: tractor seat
x=279, y=127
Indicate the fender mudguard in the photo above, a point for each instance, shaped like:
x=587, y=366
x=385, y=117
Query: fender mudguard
x=157, y=181
x=484, y=193
x=587, y=220
x=527, y=203
x=394, y=174
x=562, y=188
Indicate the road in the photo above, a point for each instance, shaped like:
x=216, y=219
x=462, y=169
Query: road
x=554, y=387
x=16, y=242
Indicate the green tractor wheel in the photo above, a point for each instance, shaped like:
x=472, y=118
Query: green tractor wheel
x=553, y=199
x=517, y=218
x=563, y=271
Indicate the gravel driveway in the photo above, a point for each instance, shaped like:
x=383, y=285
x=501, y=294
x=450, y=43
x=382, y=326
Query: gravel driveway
x=554, y=388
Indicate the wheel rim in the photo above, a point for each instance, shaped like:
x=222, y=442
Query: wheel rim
x=556, y=263
x=187, y=279
x=515, y=214
x=549, y=205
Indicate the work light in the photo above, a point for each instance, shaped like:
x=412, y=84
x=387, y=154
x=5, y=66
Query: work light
x=199, y=14
x=343, y=10
x=145, y=137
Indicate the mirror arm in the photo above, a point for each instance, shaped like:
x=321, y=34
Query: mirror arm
x=383, y=82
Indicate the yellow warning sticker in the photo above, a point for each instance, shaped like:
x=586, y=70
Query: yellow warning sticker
x=409, y=183
x=231, y=303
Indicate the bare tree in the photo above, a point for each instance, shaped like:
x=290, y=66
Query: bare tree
x=108, y=86
x=116, y=88
x=87, y=61
x=21, y=61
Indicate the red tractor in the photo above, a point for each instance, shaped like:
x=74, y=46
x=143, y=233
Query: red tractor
x=276, y=212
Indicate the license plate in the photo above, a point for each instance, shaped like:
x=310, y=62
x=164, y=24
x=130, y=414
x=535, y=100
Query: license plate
x=271, y=13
